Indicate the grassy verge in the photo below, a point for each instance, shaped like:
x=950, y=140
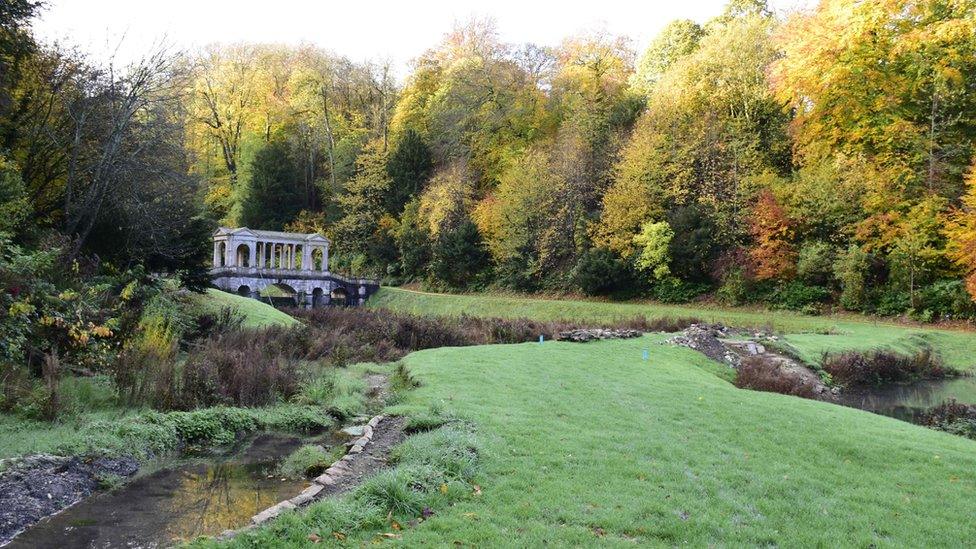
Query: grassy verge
x=256, y=314
x=590, y=443
x=811, y=336
x=430, y=472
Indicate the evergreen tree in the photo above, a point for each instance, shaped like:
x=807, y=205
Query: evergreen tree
x=273, y=195
x=409, y=166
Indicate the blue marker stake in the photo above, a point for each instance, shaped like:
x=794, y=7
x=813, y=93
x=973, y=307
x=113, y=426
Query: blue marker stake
x=541, y=337
x=647, y=354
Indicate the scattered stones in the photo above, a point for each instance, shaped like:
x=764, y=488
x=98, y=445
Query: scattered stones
x=583, y=335
x=34, y=487
x=354, y=430
x=704, y=338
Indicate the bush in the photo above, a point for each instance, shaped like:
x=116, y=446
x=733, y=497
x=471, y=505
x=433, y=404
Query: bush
x=879, y=367
x=600, y=272
x=947, y=299
x=735, y=288
x=797, y=296
x=952, y=417
x=851, y=270
x=814, y=265
x=673, y=290
x=759, y=374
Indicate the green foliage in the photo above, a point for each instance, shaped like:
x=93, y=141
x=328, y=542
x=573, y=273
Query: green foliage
x=459, y=257
x=797, y=296
x=308, y=460
x=850, y=269
x=652, y=244
x=273, y=199
x=410, y=166
x=676, y=40
x=601, y=272
x=675, y=290
x=15, y=206
x=815, y=263
x=694, y=246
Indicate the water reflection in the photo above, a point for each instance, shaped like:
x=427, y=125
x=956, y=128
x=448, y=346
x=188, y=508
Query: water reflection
x=909, y=402
x=174, y=504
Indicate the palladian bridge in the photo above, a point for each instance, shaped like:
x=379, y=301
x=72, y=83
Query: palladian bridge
x=283, y=268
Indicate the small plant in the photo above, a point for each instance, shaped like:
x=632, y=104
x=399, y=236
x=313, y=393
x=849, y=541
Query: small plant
x=309, y=460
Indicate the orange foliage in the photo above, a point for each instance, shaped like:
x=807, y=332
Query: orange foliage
x=773, y=254
x=961, y=232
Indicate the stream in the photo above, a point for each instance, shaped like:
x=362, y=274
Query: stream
x=194, y=497
x=909, y=402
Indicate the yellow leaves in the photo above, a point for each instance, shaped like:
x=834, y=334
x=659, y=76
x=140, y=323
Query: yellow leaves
x=18, y=308
x=339, y=536
x=443, y=489
x=129, y=291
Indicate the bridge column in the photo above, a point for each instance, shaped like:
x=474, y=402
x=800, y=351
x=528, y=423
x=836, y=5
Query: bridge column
x=252, y=254
x=325, y=258
x=216, y=254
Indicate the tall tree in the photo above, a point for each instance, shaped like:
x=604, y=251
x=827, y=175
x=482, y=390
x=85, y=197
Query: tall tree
x=273, y=197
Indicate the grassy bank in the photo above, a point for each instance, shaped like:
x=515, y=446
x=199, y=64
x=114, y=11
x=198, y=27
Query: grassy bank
x=589, y=441
x=810, y=335
x=256, y=313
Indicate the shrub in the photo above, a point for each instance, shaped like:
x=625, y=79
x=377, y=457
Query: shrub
x=674, y=290
x=760, y=374
x=814, y=265
x=851, y=270
x=735, y=287
x=952, y=417
x=947, y=299
x=878, y=367
x=600, y=272
x=797, y=296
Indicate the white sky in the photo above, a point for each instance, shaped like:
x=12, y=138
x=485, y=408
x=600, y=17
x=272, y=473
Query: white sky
x=376, y=29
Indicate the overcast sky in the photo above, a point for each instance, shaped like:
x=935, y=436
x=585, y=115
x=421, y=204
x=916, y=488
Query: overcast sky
x=377, y=29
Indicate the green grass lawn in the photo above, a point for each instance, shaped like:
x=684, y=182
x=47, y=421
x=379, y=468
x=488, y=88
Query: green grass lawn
x=810, y=335
x=589, y=443
x=256, y=313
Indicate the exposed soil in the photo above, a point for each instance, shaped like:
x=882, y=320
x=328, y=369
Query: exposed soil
x=39, y=486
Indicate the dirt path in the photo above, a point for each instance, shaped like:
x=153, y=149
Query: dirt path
x=374, y=457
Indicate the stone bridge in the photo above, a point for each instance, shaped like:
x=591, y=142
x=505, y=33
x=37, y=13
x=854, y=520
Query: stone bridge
x=249, y=262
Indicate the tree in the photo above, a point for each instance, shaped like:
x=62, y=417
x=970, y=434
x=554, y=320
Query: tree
x=14, y=204
x=886, y=80
x=600, y=272
x=773, y=252
x=459, y=257
x=273, y=199
x=851, y=269
x=961, y=233
x=653, y=242
x=17, y=46
x=693, y=248
x=410, y=166
x=676, y=40
x=363, y=204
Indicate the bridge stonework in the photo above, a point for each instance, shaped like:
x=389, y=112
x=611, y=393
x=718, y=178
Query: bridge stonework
x=247, y=261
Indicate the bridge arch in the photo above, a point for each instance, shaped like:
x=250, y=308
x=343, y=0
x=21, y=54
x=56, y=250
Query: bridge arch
x=244, y=290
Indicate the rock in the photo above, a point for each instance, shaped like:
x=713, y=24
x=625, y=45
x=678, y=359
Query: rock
x=354, y=430
x=307, y=495
x=705, y=339
x=272, y=512
x=583, y=335
x=325, y=479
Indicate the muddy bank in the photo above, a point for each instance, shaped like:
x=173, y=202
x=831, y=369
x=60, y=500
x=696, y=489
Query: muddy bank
x=35, y=487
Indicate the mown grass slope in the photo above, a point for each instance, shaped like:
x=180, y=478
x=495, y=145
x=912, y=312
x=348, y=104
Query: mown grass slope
x=256, y=313
x=810, y=335
x=588, y=442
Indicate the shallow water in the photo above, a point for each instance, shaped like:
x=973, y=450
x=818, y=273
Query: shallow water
x=909, y=402
x=201, y=497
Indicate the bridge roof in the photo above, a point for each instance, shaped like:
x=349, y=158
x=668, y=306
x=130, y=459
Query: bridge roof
x=272, y=235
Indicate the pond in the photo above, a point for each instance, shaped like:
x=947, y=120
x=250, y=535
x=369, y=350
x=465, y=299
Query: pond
x=909, y=402
x=193, y=498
